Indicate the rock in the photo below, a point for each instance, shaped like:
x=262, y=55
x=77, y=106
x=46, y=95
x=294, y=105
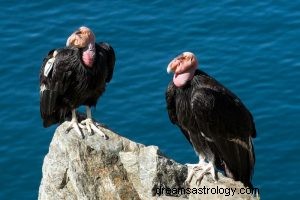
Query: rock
x=94, y=168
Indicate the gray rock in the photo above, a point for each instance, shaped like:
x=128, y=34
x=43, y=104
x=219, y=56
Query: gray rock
x=94, y=168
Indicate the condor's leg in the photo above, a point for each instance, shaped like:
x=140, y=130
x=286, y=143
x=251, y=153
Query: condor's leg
x=74, y=124
x=90, y=124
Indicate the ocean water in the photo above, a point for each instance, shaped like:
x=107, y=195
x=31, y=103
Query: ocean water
x=251, y=47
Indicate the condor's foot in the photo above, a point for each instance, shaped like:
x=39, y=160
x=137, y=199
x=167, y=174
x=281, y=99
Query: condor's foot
x=208, y=169
x=93, y=127
x=76, y=126
x=195, y=167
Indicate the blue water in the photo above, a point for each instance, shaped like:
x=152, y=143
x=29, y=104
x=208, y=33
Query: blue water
x=251, y=47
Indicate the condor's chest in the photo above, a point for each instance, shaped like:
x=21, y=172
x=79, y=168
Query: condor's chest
x=183, y=106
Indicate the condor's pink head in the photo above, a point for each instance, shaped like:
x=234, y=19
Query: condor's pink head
x=184, y=67
x=84, y=38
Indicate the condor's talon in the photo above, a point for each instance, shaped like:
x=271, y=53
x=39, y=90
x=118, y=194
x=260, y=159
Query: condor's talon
x=88, y=125
x=81, y=126
x=199, y=180
x=74, y=124
x=99, y=125
x=92, y=126
x=195, y=167
x=209, y=169
x=97, y=130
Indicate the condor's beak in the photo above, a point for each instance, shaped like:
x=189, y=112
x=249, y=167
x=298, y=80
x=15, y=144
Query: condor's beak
x=169, y=70
x=71, y=39
x=68, y=42
x=172, y=66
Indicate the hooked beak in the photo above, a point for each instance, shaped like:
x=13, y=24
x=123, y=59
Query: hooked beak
x=172, y=65
x=71, y=39
x=68, y=42
x=169, y=69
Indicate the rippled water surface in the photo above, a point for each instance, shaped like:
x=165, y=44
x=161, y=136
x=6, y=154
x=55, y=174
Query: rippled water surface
x=251, y=47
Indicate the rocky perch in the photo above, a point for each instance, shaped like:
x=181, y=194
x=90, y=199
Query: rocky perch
x=94, y=168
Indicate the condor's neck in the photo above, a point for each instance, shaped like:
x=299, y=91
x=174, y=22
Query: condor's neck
x=88, y=55
x=181, y=79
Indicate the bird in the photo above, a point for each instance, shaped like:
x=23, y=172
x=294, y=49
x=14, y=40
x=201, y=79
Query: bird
x=213, y=119
x=73, y=76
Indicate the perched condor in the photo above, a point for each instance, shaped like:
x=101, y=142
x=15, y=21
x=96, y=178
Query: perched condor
x=213, y=119
x=73, y=76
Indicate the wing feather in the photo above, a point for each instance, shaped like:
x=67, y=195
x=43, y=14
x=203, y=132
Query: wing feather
x=227, y=123
x=53, y=85
x=109, y=52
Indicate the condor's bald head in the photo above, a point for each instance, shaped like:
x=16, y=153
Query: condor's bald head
x=81, y=38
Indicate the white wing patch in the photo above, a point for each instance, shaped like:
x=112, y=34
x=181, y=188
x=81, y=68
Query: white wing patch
x=42, y=88
x=48, y=66
x=207, y=138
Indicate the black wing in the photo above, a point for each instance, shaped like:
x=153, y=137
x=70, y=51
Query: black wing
x=54, y=81
x=111, y=58
x=226, y=122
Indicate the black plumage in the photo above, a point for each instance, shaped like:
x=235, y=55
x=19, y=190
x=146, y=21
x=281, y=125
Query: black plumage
x=216, y=123
x=70, y=83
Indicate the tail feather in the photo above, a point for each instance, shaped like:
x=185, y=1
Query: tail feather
x=239, y=160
